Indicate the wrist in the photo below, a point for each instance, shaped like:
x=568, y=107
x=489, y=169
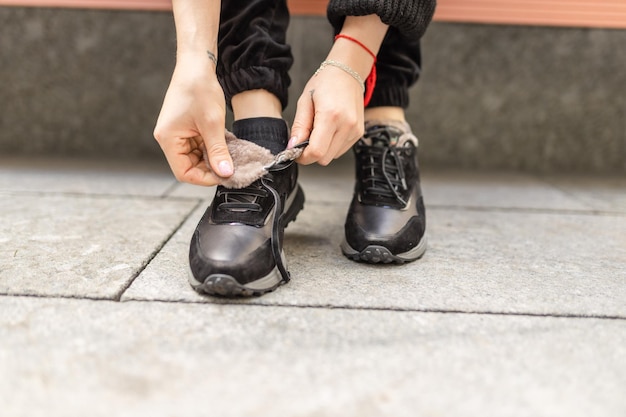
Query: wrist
x=358, y=43
x=368, y=30
x=199, y=55
x=352, y=56
x=196, y=62
x=197, y=26
x=366, y=34
x=193, y=78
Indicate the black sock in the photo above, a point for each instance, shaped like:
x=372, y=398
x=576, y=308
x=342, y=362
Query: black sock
x=268, y=132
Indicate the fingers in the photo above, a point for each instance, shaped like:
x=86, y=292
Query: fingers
x=185, y=157
x=303, y=120
x=334, y=133
x=186, y=151
x=214, y=136
x=330, y=115
x=320, y=142
x=190, y=130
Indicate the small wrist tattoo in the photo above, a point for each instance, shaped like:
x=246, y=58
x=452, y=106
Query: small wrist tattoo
x=212, y=57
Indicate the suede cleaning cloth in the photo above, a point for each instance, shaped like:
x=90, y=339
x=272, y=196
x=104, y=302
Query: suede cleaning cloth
x=251, y=161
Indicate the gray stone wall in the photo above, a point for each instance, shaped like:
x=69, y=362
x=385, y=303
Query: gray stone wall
x=83, y=82
x=90, y=83
x=538, y=99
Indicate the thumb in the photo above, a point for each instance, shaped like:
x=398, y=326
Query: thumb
x=219, y=158
x=303, y=120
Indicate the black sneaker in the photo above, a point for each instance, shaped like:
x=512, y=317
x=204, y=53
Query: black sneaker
x=237, y=248
x=386, y=220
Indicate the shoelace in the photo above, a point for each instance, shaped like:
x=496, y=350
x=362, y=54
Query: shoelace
x=382, y=167
x=246, y=199
x=275, y=237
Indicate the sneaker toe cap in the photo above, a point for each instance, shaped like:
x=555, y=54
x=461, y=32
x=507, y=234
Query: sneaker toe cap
x=243, y=252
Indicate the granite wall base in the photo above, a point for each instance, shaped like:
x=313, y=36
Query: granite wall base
x=90, y=83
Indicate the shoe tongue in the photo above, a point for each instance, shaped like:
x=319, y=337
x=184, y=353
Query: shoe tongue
x=241, y=198
x=379, y=141
x=398, y=134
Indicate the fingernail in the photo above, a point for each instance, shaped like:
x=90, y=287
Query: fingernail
x=292, y=142
x=226, y=169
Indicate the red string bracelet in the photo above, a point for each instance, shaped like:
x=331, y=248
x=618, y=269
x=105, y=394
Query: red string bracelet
x=370, y=82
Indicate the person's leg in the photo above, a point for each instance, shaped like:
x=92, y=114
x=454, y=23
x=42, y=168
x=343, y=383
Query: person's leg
x=253, y=68
x=253, y=53
x=237, y=246
x=398, y=69
x=386, y=220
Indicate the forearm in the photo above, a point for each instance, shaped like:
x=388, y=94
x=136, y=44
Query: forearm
x=192, y=117
x=197, y=26
x=370, y=31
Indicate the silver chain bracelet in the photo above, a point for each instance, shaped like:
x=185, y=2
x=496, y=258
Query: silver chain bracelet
x=344, y=68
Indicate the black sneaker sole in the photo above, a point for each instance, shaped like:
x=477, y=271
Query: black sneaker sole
x=376, y=254
x=227, y=286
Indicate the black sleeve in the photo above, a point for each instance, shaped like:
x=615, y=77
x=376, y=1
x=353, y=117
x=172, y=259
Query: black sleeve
x=410, y=17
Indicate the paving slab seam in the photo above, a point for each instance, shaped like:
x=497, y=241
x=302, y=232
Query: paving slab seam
x=527, y=210
x=122, y=290
x=399, y=310
x=97, y=195
x=324, y=307
x=57, y=297
x=169, y=190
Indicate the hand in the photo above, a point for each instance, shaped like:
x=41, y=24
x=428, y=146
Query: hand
x=330, y=111
x=191, y=124
x=329, y=114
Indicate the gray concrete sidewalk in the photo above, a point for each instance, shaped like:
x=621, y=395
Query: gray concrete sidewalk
x=518, y=307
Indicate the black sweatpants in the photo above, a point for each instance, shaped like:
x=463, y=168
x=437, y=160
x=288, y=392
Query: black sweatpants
x=253, y=54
